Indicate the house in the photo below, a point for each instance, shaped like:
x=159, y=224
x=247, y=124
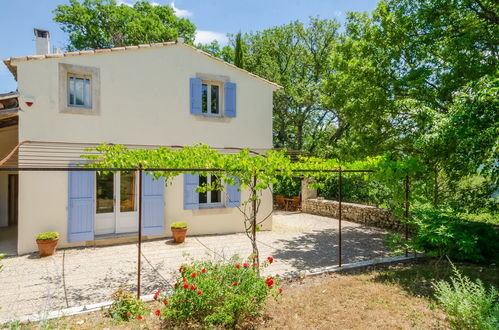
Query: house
x=164, y=94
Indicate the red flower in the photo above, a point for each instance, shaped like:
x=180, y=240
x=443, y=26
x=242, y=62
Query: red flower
x=270, y=287
x=238, y=266
x=156, y=294
x=269, y=281
x=280, y=290
x=255, y=265
x=199, y=292
x=129, y=313
x=175, y=285
x=270, y=259
x=181, y=269
x=157, y=312
x=138, y=317
x=234, y=284
x=165, y=302
x=193, y=275
x=254, y=256
x=184, y=301
x=245, y=265
x=193, y=287
x=277, y=275
x=186, y=286
x=203, y=270
x=184, y=279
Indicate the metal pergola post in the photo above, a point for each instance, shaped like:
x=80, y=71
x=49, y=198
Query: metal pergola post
x=139, y=231
x=340, y=197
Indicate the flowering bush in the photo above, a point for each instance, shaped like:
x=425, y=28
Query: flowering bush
x=218, y=293
x=126, y=306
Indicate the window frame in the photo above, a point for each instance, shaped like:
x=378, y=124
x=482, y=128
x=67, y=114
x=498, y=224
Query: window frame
x=209, y=204
x=220, y=85
x=88, y=77
x=66, y=71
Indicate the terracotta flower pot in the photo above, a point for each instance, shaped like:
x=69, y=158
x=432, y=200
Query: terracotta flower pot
x=47, y=247
x=179, y=234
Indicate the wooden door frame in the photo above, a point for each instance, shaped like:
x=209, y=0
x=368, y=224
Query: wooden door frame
x=13, y=199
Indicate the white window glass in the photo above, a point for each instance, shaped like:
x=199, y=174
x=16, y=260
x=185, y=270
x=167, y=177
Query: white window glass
x=79, y=92
x=204, y=98
x=214, y=99
x=210, y=98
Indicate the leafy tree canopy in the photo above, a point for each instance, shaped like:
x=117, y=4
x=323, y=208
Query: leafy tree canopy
x=93, y=24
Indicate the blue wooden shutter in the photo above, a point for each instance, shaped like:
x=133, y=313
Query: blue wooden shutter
x=195, y=92
x=153, y=219
x=230, y=99
x=233, y=195
x=191, y=196
x=81, y=206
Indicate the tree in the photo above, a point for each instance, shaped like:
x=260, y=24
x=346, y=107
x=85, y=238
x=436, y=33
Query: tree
x=238, y=52
x=94, y=24
x=225, y=53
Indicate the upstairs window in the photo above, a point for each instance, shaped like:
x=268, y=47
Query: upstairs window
x=210, y=97
x=79, y=91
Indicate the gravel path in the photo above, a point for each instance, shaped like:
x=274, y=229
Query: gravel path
x=80, y=276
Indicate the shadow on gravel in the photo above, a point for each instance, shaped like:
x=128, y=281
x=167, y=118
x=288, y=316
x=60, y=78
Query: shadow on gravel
x=320, y=248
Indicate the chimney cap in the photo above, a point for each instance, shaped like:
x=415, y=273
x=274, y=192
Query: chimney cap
x=41, y=33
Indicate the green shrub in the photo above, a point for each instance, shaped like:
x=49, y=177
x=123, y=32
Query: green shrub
x=468, y=303
x=47, y=235
x=225, y=293
x=178, y=225
x=126, y=306
x=442, y=233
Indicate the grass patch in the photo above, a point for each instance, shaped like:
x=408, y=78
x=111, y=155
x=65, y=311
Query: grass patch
x=395, y=296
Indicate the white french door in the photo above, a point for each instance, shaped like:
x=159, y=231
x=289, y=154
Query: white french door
x=116, y=203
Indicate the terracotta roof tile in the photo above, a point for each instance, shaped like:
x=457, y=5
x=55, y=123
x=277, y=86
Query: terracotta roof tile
x=13, y=68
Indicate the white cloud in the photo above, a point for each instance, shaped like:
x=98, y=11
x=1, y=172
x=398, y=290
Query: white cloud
x=154, y=4
x=180, y=12
x=338, y=13
x=120, y=2
x=205, y=37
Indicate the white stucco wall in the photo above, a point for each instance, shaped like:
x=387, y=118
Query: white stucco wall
x=46, y=195
x=8, y=140
x=144, y=100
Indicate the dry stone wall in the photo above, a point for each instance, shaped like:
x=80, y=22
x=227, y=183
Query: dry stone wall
x=365, y=214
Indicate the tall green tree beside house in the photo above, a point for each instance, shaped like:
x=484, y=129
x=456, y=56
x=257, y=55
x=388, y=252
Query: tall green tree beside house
x=93, y=24
x=238, y=52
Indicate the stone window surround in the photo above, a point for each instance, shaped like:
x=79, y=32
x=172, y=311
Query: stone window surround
x=65, y=70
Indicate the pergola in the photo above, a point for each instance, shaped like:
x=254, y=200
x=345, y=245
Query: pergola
x=42, y=156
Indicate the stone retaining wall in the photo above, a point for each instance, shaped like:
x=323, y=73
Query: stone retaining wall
x=365, y=214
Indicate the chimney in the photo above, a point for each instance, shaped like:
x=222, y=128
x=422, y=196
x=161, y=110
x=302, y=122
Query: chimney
x=42, y=41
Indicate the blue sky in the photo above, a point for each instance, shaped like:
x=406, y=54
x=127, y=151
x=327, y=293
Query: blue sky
x=213, y=19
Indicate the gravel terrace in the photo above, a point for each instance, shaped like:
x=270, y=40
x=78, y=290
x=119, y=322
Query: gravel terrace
x=81, y=276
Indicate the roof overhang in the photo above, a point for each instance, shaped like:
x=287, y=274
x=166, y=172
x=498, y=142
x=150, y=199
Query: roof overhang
x=11, y=62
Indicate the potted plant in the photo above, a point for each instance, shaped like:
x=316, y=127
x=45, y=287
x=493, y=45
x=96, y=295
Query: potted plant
x=47, y=243
x=179, y=229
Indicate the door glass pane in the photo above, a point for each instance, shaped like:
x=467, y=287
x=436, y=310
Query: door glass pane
x=204, y=98
x=214, y=99
x=127, y=192
x=105, y=193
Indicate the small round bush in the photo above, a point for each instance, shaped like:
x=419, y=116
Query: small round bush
x=218, y=294
x=47, y=235
x=179, y=225
x=126, y=306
